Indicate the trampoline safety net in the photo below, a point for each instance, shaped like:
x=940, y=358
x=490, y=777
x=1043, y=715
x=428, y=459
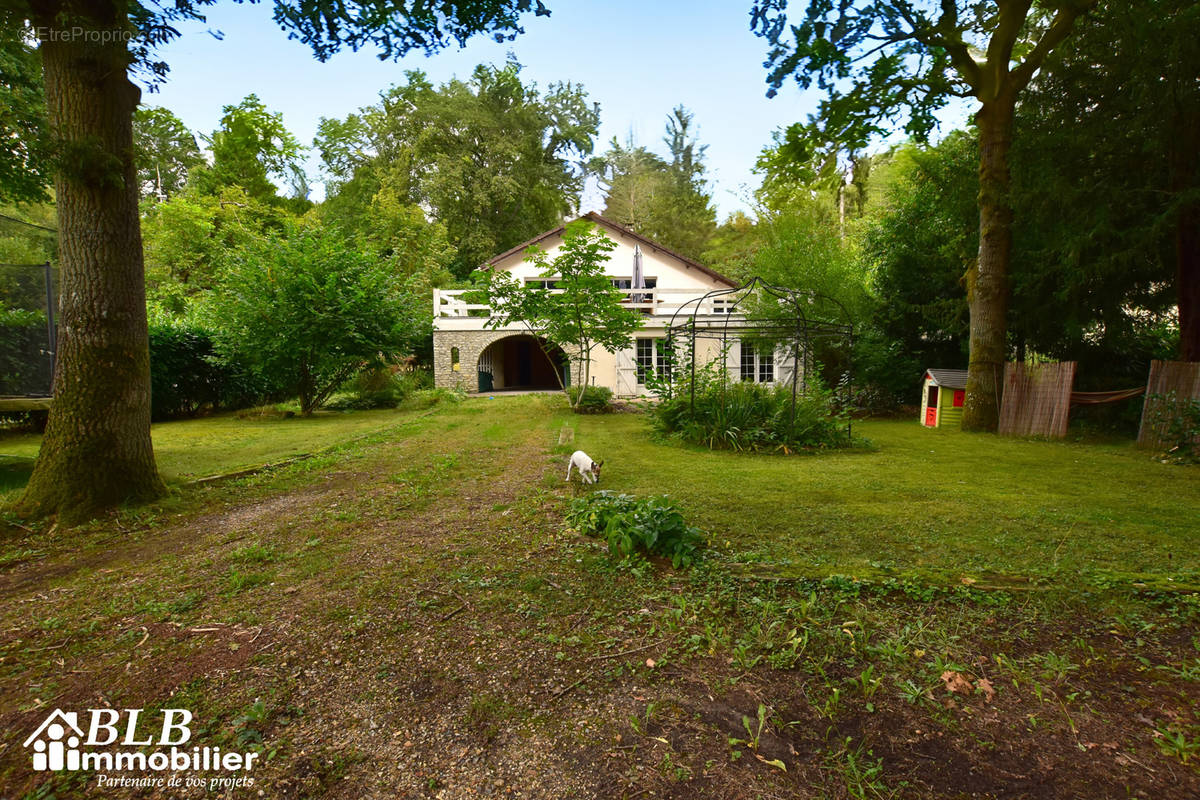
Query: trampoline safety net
x=28, y=298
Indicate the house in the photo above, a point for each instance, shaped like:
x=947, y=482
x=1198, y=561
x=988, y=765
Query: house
x=943, y=394
x=468, y=353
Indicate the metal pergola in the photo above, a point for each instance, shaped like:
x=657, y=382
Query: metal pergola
x=760, y=311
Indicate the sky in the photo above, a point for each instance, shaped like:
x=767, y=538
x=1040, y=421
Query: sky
x=637, y=59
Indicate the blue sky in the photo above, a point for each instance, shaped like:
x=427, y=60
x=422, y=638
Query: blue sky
x=637, y=59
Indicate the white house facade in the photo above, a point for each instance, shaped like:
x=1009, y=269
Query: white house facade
x=470, y=354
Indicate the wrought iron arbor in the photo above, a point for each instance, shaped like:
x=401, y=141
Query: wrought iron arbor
x=797, y=321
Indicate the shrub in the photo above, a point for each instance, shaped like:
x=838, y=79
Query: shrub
x=636, y=526
x=728, y=414
x=187, y=374
x=380, y=388
x=596, y=400
x=1178, y=422
x=308, y=311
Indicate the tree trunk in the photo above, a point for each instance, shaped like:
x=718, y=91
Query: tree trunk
x=587, y=373
x=96, y=452
x=987, y=279
x=1183, y=165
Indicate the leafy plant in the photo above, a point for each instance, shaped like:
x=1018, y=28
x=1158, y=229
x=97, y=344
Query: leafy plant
x=1177, y=420
x=713, y=410
x=633, y=525
x=380, y=387
x=596, y=399
x=308, y=312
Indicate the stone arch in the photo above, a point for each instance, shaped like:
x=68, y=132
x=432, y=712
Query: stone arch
x=521, y=361
x=471, y=345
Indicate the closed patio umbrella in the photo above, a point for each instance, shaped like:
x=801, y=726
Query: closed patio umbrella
x=639, y=277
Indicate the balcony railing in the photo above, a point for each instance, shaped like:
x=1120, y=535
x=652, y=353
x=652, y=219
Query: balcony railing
x=654, y=302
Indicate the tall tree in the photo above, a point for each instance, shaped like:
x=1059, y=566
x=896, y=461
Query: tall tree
x=251, y=147
x=97, y=450
x=1107, y=162
x=494, y=160
x=165, y=152
x=878, y=61
x=667, y=201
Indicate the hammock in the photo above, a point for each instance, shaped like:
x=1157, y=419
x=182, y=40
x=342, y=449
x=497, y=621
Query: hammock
x=1102, y=398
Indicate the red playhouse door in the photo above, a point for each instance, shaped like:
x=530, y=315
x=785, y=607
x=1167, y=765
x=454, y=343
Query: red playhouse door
x=931, y=409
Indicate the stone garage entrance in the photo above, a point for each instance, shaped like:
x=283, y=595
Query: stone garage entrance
x=519, y=362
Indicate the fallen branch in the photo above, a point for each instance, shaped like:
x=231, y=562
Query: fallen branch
x=625, y=652
x=561, y=692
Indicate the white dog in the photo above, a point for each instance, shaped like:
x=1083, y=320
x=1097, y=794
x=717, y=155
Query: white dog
x=589, y=471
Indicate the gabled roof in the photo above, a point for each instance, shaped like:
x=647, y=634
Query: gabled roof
x=608, y=223
x=950, y=378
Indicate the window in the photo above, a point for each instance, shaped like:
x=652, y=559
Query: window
x=758, y=363
x=541, y=283
x=627, y=283
x=651, y=359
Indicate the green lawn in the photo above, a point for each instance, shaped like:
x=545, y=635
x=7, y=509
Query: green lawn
x=194, y=448
x=923, y=501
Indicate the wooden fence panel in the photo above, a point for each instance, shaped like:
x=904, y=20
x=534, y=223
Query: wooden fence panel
x=1036, y=399
x=1180, y=377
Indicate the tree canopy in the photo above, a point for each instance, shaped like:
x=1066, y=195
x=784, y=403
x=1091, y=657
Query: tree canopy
x=890, y=62
x=493, y=159
x=667, y=201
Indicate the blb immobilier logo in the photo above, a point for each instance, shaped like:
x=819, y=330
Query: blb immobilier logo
x=107, y=740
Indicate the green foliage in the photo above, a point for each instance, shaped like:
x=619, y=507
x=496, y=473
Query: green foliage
x=668, y=202
x=188, y=375
x=595, y=400
x=736, y=415
x=25, y=159
x=631, y=526
x=252, y=146
x=187, y=239
x=493, y=159
x=918, y=249
x=165, y=152
x=1178, y=419
x=380, y=387
x=583, y=312
x=1106, y=171
x=307, y=312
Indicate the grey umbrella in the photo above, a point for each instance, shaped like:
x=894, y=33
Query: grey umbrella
x=639, y=277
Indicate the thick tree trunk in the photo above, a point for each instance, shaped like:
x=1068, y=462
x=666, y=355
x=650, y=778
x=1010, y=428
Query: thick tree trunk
x=1187, y=278
x=987, y=279
x=96, y=452
x=1184, y=168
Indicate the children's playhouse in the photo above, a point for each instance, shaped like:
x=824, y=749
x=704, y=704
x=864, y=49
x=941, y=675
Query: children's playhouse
x=942, y=397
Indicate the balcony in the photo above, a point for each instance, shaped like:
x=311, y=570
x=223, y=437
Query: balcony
x=451, y=303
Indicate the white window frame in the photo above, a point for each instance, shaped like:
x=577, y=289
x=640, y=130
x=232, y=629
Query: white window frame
x=654, y=362
x=754, y=365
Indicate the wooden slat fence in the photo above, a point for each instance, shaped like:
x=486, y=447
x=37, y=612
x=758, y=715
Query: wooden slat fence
x=1036, y=399
x=1180, y=377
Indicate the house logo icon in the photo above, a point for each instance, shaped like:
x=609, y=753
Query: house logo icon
x=56, y=742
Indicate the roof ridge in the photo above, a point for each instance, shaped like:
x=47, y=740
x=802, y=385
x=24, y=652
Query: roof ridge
x=597, y=217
